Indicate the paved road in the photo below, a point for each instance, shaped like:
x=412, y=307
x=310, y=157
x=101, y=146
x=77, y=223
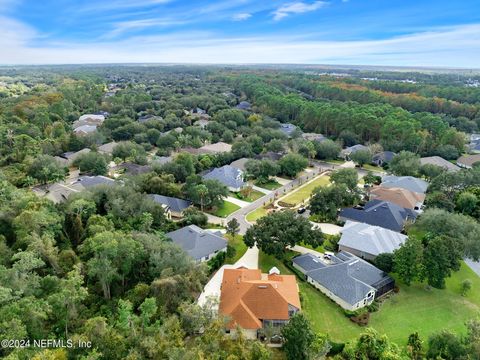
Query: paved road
x=474, y=265
x=212, y=288
x=241, y=213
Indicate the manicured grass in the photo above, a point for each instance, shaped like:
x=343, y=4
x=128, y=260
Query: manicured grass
x=304, y=193
x=226, y=209
x=371, y=167
x=270, y=185
x=254, y=195
x=414, y=308
x=238, y=245
x=256, y=214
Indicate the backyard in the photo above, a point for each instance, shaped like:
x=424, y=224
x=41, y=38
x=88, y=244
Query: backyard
x=400, y=315
x=304, y=192
x=239, y=246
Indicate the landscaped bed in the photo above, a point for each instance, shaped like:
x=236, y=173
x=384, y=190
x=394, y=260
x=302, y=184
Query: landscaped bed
x=304, y=193
x=414, y=308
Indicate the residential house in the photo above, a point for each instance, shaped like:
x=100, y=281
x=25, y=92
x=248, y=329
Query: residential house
x=255, y=301
x=269, y=155
x=467, y=161
x=89, y=119
x=129, y=168
x=199, y=244
x=439, y=161
x=380, y=213
x=244, y=105
x=345, y=153
x=348, y=280
x=240, y=163
x=85, y=130
x=314, y=137
x=402, y=197
x=217, y=148
x=288, y=129
x=71, y=156
x=161, y=160
x=368, y=241
x=405, y=182
x=143, y=119
x=173, y=206
x=59, y=192
x=107, y=148
x=382, y=158
x=202, y=123
x=229, y=176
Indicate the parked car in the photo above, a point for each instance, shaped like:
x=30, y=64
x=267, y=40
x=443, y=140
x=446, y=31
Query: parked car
x=301, y=210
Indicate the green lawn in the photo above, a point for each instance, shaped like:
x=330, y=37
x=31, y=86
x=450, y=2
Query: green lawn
x=238, y=245
x=413, y=309
x=371, y=167
x=226, y=209
x=254, y=195
x=304, y=193
x=270, y=185
x=256, y=214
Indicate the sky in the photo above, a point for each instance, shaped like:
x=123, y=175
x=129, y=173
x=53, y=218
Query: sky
x=431, y=33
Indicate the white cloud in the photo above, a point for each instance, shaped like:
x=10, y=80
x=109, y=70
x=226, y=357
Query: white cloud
x=457, y=46
x=124, y=26
x=297, y=8
x=241, y=16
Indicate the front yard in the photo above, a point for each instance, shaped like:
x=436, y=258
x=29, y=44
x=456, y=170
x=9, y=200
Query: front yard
x=256, y=214
x=226, y=209
x=254, y=195
x=303, y=193
x=414, y=308
x=270, y=185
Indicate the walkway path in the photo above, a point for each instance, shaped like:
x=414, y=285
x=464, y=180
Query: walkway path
x=212, y=288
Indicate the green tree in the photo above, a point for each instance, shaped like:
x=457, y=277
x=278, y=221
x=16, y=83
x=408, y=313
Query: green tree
x=92, y=163
x=262, y=169
x=274, y=232
x=408, y=259
x=445, y=345
x=361, y=157
x=466, y=287
x=291, y=164
x=384, y=262
x=233, y=227
x=405, y=163
x=414, y=346
x=299, y=337
x=327, y=149
x=46, y=169
x=347, y=177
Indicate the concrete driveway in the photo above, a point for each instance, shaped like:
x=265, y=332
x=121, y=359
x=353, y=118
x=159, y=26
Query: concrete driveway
x=212, y=288
x=329, y=229
x=304, y=250
x=238, y=202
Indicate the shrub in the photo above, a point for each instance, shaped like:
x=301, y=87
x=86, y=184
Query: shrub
x=466, y=286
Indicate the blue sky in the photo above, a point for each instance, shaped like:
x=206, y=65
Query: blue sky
x=376, y=32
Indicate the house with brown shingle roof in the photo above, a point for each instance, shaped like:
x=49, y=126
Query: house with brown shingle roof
x=254, y=301
x=467, y=161
x=402, y=197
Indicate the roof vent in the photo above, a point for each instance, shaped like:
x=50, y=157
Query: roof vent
x=262, y=286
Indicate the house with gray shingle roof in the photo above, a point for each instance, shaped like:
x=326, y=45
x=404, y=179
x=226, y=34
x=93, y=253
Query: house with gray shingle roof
x=382, y=158
x=348, y=280
x=200, y=244
x=440, y=162
x=405, y=182
x=174, y=206
x=229, y=176
x=467, y=161
x=379, y=213
x=107, y=148
x=244, y=105
x=71, y=156
x=368, y=241
x=288, y=129
x=345, y=153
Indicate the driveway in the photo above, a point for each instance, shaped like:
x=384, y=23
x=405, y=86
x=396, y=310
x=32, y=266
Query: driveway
x=238, y=202
x=212, y=288
x=304, y=250
x=329, y=229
